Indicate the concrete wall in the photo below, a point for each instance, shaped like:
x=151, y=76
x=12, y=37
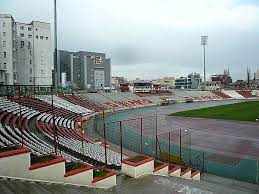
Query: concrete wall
x=15, y=166
x=162, y=172
x=54, y=172
x=106, y=183
x=187, y=175
x=137, y=171
x=82, y=178
x=197, y=177
x=128, y=170
x=176, y=173
x=144, y=169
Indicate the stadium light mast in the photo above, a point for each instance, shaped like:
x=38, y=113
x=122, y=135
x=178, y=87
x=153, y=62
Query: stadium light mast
x=55, y=47
x=204, y=40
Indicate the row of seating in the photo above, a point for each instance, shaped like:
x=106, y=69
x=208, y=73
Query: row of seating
x=61, y=103
x=233, y=94
x=128, y=103
x=84, y=102
x=65, y=121
x=10, y=134
x=45, y=107
x=246, y=93
x=91, y=150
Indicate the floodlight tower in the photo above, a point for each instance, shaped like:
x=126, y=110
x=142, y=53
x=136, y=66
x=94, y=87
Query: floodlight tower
x=204, y=40
x=55, y=47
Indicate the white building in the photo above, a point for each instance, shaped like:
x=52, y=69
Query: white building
x=31, y=54
x=142, y=86
x=7, y=50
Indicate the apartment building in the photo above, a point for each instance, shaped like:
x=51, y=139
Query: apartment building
x=26, y=52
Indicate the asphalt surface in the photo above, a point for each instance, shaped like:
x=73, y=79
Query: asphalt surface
x=234, y=138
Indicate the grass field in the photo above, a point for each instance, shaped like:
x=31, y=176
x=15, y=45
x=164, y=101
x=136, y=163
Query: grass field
x=244, y=111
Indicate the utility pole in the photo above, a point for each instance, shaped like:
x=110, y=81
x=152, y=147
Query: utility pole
x=180, y=143
x=20, y=115
x=53, y=123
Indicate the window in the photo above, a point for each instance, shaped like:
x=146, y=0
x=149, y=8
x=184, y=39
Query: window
x=29, y=36
x=42, y=72
x=30, y=80
x=30, y=53
x=30, y=70
x=21, y=35
x=37, y=37
x=4, y=54
x=14, y=76
x=21, y=27
x=4, y=43
x=30, y=62
x=29, y=28
x=4, y=33
x=36, y=29
x=29, y=45
x=4, y=24
x=47, y=38
x=41, y=37
x=4, y=65
x=22, y=44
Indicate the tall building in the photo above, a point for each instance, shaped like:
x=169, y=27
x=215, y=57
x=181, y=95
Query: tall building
x=85, y=70
x=26, y=52
x=7, y=50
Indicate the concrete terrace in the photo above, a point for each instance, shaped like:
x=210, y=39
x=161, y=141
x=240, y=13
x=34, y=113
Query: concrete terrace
x=151, y=184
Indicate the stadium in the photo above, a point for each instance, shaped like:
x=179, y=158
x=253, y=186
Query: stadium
x=91, y=140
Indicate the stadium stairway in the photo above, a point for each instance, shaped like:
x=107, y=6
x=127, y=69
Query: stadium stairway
x=147, y=166
x=50, y=168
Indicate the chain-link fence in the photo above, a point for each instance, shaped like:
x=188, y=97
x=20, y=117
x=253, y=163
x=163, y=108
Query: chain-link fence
x=140, y=136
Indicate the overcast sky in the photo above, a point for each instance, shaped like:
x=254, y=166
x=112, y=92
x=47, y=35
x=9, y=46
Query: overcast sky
x=154, y=38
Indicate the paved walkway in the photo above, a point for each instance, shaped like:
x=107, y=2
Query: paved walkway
x=149, y=184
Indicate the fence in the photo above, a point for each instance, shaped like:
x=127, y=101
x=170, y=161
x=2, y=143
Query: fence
x=27, y=90
x=140, y=136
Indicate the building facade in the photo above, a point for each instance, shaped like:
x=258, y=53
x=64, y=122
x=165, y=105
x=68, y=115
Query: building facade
x=224, y=79
x=85, y=70
x=141, y=86
x=183, y=83
x=117, y=81
x=167, y=82
x=7, y=50
x=26, y=51
x=192, y=81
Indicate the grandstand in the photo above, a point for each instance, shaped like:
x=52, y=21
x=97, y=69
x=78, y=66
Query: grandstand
x=246, y=93
x=33, y=122
x=233, y=94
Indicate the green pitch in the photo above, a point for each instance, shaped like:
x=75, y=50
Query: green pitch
x=244, y=111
